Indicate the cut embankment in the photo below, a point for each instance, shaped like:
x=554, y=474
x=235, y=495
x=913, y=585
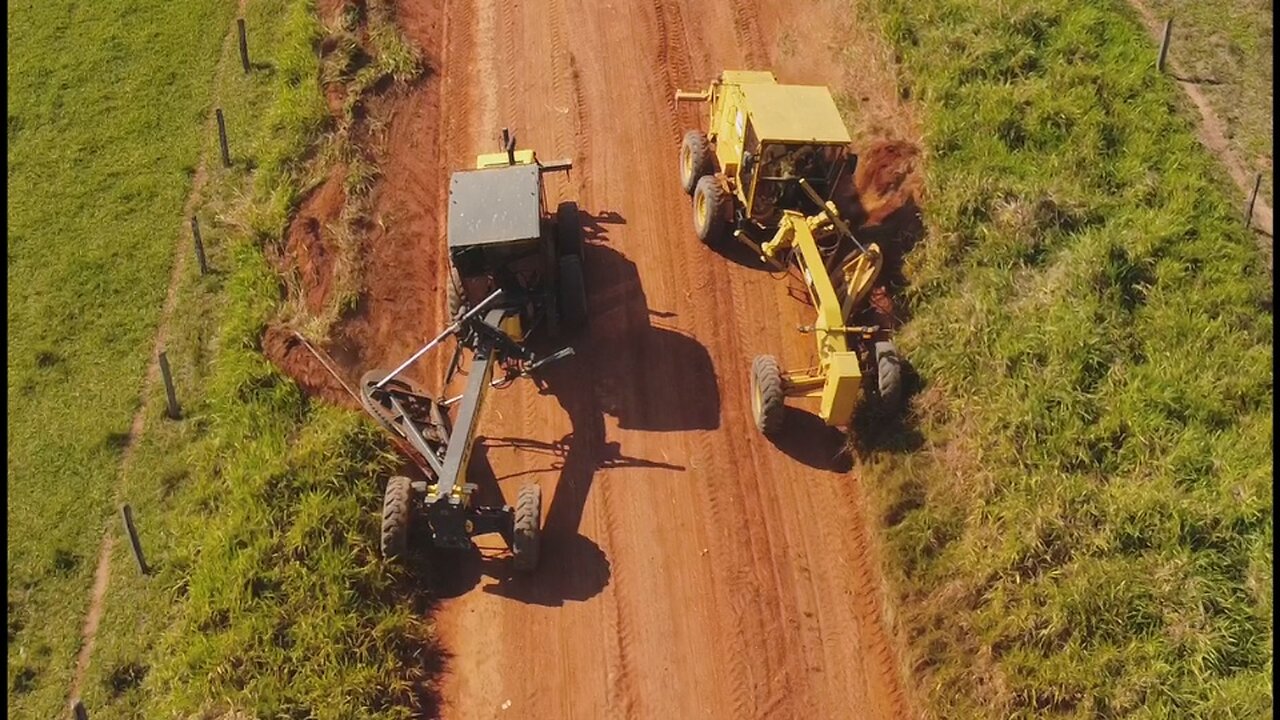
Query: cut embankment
x=1087, y=528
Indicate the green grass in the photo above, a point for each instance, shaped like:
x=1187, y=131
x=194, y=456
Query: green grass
x=106, y=102
x=1086, y=531
x=1227, y=47
x=268, y=597
x=258, y=509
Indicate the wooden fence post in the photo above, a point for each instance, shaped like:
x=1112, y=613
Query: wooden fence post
x=244, y=45
x=222, y=138
x=1253, y=197
x=171, y=396
x=1164, y=44
x=195, y=233
x=132, y=531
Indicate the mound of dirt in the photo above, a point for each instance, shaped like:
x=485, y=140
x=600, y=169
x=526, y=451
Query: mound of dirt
x=887, y=180
x=289, y=353
x=307, y=250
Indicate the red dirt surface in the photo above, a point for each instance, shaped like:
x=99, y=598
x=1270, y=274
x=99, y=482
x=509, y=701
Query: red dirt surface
x=690, y=567
x=308, y=248
x=887, y=179
x=288, y=352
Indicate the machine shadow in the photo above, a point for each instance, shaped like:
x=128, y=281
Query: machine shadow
x=646, y=377
x=806, y=439
x=738, y=253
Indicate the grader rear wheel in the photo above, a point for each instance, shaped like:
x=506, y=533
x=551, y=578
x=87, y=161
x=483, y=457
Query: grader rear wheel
x=710, y=203
x=695, y=159
x=767, y=396
x=526, y=539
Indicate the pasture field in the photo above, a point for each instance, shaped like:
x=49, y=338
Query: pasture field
x=106, y=103
x=1086, y=530
x=265, y=595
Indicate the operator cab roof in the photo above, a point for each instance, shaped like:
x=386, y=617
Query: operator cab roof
x=795, y=113
x=494, y=205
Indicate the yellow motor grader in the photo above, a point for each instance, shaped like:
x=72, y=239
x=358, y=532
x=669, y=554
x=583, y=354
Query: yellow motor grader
x=768, y=166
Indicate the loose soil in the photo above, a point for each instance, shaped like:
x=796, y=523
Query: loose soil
x=309, y=242
x=690, y=567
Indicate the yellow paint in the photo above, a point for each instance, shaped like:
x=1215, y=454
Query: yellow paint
x=752, y=102
x=511, y=326
x=839, y=375
x=489, y=160
x=794, y=114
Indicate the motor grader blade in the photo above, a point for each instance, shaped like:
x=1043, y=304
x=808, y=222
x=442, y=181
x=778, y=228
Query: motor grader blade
x=838, y=272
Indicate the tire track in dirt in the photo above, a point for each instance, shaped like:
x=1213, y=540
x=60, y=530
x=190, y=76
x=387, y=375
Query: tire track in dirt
x=748, y=32
x=672, y=64
x=582, y=129
x=487, y=14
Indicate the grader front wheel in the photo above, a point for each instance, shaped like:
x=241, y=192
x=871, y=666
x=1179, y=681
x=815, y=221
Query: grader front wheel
x=569, y=227
x=767, y=396
x=397, y=505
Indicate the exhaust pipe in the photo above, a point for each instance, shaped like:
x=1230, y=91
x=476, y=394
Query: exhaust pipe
x=509, y=145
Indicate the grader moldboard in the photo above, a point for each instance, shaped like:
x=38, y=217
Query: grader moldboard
x=514, y=267
x=769, y=166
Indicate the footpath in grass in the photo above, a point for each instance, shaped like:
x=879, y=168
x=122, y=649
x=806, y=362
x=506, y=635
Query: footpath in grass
x=1087, y=530
x=1226, y=48
x=105, y=105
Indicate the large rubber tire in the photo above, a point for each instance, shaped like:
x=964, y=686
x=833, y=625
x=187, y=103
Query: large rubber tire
x=453, y=293
x=767, y=396
x=573, y=293
x=888, y=375
x=695, y=159
x=526, y=541
x=709, y=209
x=568, y=229
x=397, y=507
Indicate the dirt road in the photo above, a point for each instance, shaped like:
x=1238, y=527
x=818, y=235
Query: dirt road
x=690, y=568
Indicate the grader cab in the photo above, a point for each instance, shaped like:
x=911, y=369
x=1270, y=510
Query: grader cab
x=762, y=139
x=502, y=236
